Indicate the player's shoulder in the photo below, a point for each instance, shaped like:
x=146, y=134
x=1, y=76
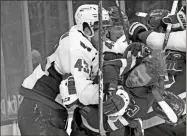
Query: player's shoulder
x=117, y=47
x=79, y=41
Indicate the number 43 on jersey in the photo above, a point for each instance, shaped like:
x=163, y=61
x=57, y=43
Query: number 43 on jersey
x=82, y=65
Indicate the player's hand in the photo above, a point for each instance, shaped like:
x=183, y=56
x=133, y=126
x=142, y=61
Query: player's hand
x=137, y=49
x=178, y=21
x=174, y=102
x=135, y=29
x=117, y=103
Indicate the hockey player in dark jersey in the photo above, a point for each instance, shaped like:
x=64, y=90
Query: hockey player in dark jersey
x=176, y=65
x=137, y=83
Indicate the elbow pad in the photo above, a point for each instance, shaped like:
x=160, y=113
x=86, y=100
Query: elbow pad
x=68, y=92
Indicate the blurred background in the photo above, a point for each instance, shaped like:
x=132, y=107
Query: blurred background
x=29, y=32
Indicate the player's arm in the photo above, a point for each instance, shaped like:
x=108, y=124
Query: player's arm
x=114, y=50
x=117, y=47
x=177, y=40
x=111, y=123
x=139, y=32
x=91, y=119
x=87, y=92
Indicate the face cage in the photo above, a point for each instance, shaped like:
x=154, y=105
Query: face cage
x=95, y=26
x=105, y=23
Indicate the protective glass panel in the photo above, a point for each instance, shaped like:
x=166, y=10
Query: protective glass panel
x=47, y=21
x=12, y=58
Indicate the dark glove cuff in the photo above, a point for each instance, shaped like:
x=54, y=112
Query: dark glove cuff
x=143, y=36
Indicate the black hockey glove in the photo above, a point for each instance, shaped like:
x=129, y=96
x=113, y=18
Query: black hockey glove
x=135, y=29
x=117, y=103
x=178, y=21
x=176, y=104
x=137, y=49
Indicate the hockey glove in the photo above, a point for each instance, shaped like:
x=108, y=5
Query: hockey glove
x=137, y=49
x=176, y=104
x=110, y=123
x=135, y=29
x=68, y=92
x=117, y=103
x=178, y=21
x=153, y=19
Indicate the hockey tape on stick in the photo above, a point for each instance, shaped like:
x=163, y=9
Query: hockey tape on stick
x=168, y=30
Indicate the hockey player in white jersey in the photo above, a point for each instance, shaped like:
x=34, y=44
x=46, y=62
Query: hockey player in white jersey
x=112, y=49
x=40, y=112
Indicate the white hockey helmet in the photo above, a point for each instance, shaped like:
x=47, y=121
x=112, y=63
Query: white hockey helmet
x=88, y=13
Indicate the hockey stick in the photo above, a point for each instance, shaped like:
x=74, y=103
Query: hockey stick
x=125, y=26
x=101, y=128
x=157, y=91
x=168, y=30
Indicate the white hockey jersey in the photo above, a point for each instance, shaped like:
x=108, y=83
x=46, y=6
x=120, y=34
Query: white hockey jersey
x=117, y=47
x=76, y=55
x=177, y=40
x=108, y=46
